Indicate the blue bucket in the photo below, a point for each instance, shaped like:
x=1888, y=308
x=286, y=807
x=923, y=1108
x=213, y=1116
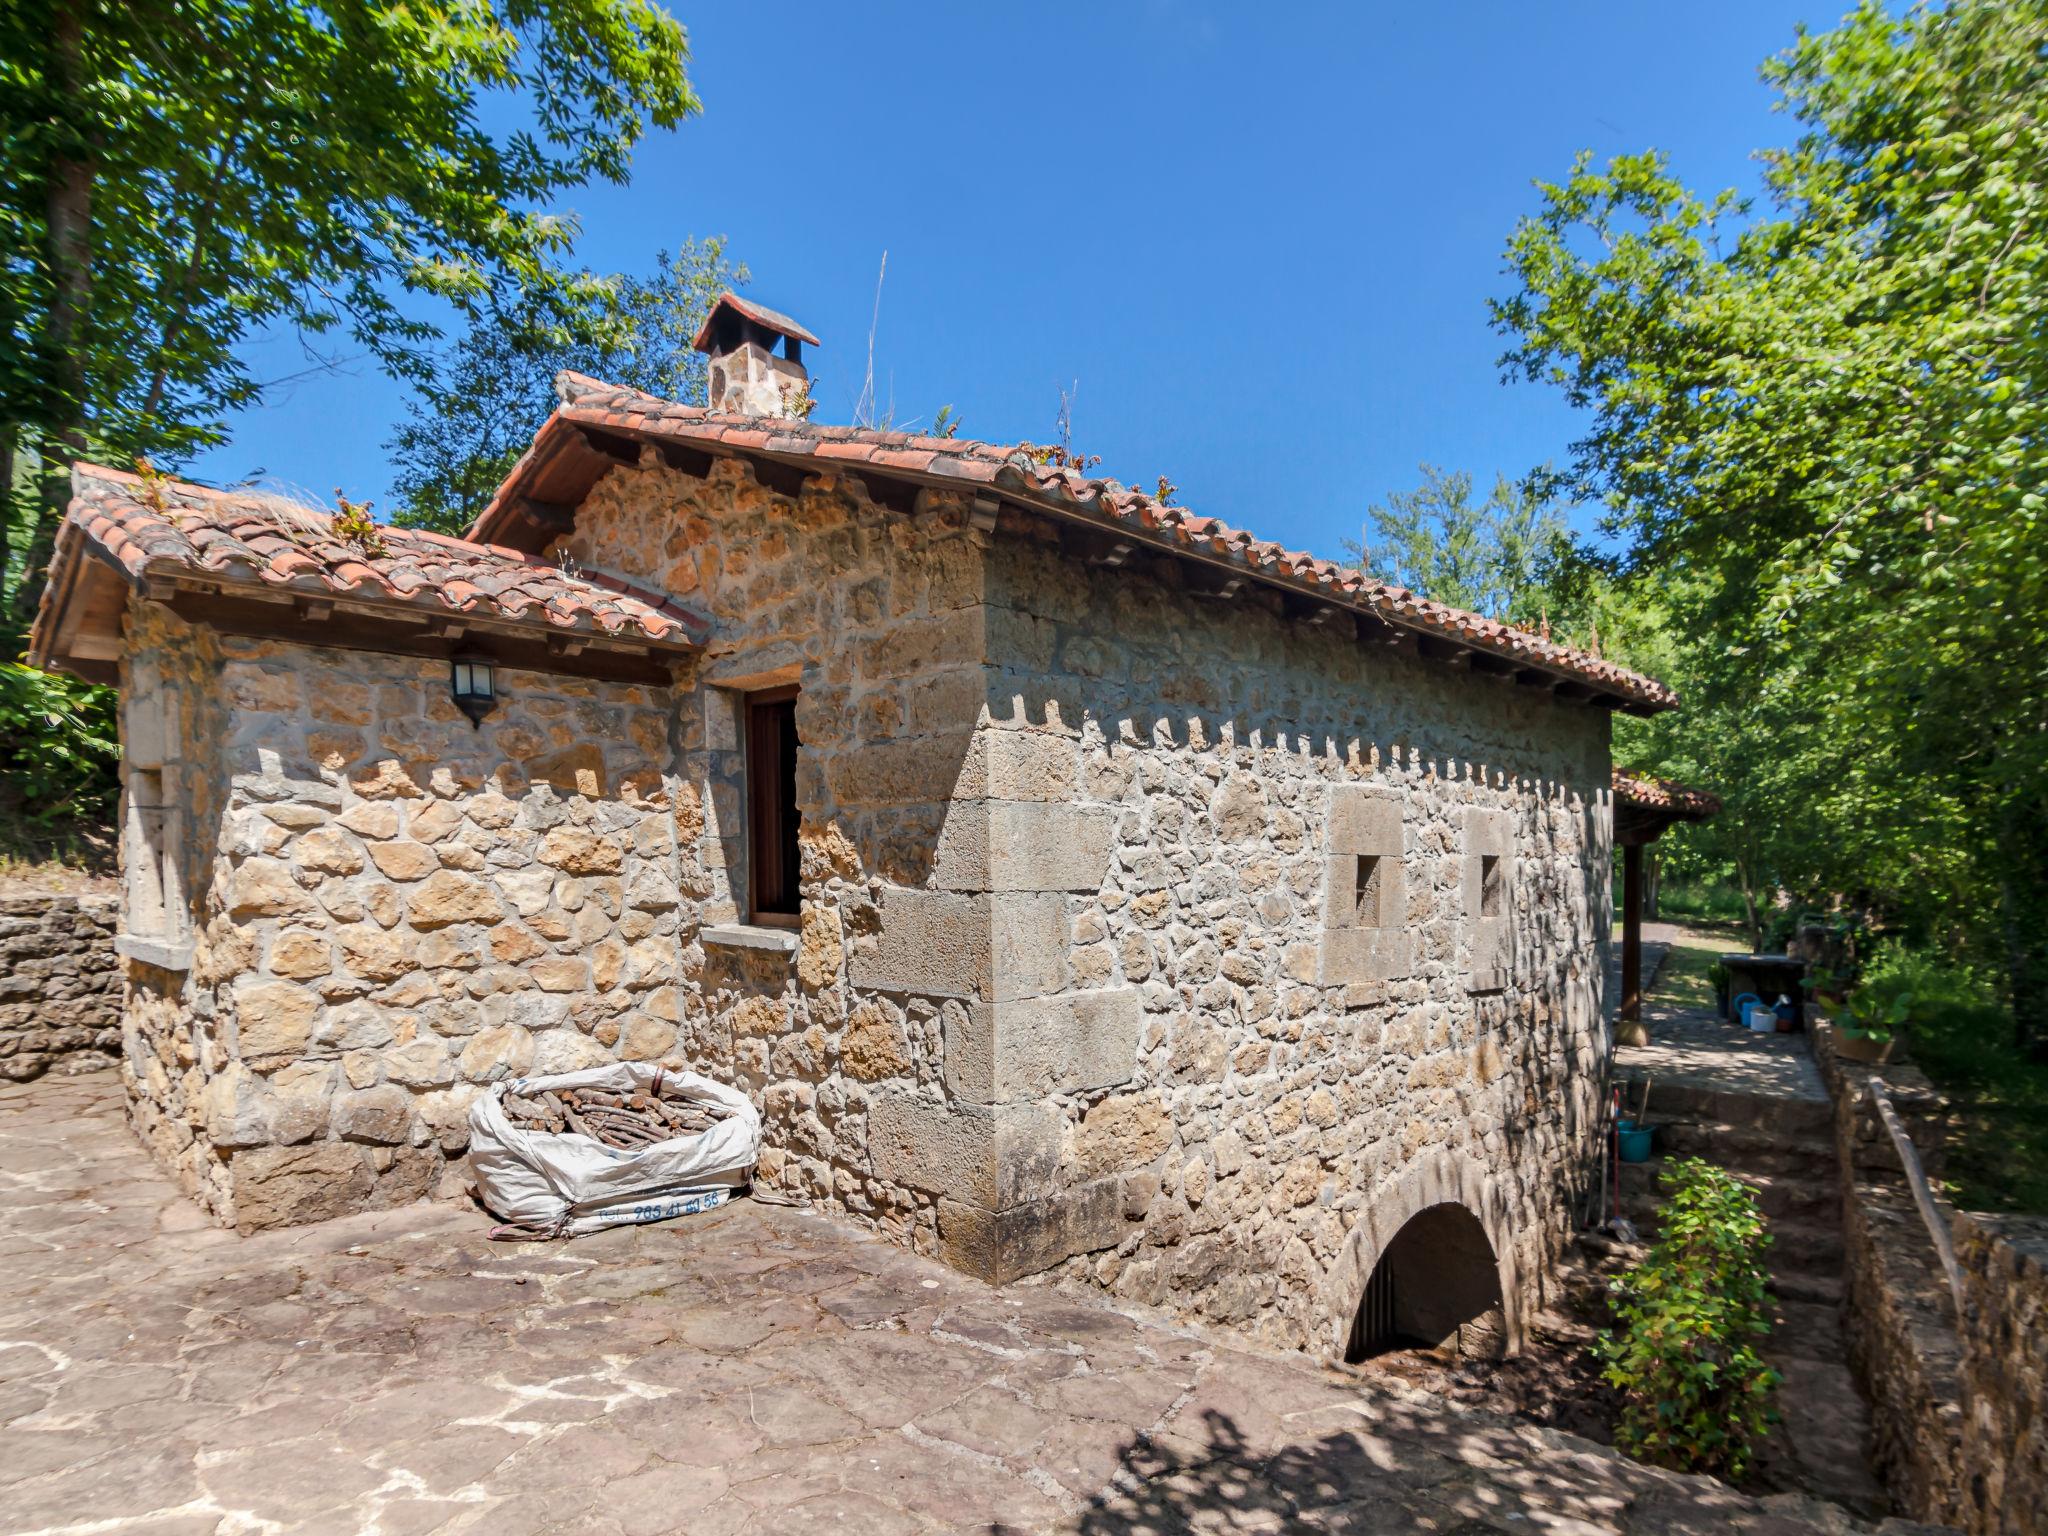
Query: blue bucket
x=1635, y=1143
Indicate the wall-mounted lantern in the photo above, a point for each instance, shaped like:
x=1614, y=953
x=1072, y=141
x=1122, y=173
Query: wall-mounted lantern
x=471, y=683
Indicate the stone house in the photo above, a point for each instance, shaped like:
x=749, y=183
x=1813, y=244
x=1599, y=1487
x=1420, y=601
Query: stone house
x=1080, y=885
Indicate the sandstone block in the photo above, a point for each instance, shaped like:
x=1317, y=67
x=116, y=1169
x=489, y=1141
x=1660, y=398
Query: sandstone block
x=1365, y=954
x=1365, y=818
x=374, y=954
x=1020, y=765
x=237, y=1108
x=1028, y=952
x=819, y=947
x=403, y=860
x=932, y=942
x=497, y=1053
x=1001, y=1246
x=264, y=887
x=448, y=897
x=381, y=1115
x=993, y=1158
x=873, y=1048
x=284, y=1186
x=299, y=953
x=560, y=973
x=273, y=1021
x=420, y=1063
x=577, y=851
x=1001, y=845
x=1122, y=1133
x=1016, y=1051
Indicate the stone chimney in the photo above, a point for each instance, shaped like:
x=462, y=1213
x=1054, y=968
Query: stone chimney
x=748, y=376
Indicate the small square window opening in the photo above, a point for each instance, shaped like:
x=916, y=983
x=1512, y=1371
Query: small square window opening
x=1489, y=885
x=1369, y=891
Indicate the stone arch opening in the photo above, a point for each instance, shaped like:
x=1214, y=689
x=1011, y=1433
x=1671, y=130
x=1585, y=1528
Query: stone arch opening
x=1436, y=1284
x=1438, y=1178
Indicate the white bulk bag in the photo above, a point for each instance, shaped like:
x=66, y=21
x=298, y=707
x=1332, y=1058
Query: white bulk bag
x=563, y=1185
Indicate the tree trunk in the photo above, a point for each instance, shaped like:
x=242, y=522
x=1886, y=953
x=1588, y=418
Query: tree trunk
x=68, y=251
x=2023, y=919
x=1756, y=927
x=8, y=435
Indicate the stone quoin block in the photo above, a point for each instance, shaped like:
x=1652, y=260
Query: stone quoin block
x=990, y=1157
x=1001, y=1246
x=1011, y=1052
x=1001, y=845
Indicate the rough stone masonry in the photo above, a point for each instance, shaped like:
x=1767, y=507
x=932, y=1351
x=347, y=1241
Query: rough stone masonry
x=1164, y=932
x=60, y=984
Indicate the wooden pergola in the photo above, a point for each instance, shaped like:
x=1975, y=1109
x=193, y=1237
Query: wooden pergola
x=1643, y=808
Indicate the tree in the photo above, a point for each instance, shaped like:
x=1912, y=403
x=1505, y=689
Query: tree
x=467, y=426
x=1823, y=423
x=1497, y=557
x=180, y=179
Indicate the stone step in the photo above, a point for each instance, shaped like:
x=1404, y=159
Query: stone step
x=1699, y=1101
x=1780, y=1196
x=1746, y=1148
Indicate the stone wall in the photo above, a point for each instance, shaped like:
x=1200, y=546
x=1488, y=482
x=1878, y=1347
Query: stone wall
x=1959, y=1404
x=60, y=985
x=1357, y=903
x=2004, y=1260
x=1067, y=964
x=876, y=614
x=1898, y=1314
x=384, y=908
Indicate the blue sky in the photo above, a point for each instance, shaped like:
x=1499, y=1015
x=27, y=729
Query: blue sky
x=1261, y=238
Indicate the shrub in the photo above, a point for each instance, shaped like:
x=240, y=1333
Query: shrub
x=59, y=749
x=1695, y=1394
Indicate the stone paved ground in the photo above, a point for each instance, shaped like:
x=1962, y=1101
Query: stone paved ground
x=758, y=1370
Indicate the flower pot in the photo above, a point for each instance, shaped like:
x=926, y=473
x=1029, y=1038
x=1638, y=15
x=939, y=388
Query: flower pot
x=1854, y=1045
x=1635, y=1142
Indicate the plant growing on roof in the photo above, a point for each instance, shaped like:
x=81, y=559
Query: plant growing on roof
x=354, y=525
x=1696, y=1395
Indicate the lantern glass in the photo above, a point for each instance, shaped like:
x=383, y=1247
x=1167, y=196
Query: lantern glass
x=471, y=682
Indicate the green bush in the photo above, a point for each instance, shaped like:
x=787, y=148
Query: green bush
x=59, y=750
x=1695, y=1394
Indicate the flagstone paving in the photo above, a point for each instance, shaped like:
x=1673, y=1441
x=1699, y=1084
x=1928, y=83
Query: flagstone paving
x=755, y=1370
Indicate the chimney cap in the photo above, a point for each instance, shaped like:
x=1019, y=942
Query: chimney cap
x=759, y=314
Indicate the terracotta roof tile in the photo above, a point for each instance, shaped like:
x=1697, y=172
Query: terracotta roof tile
x=1018, y=470
x=178, y=527
x=1668, y=795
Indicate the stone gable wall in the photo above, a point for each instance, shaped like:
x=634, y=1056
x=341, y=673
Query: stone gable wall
x=390, y=909
x=1279, y=1089
x=876, y=613
x=60, y=985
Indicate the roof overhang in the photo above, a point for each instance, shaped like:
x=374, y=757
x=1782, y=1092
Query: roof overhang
x=79, y=626
x=578, y=445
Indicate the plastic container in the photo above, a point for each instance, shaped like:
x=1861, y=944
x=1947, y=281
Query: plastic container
x=1739, y=1009
x=1762, y=1019
x=1635, y=1142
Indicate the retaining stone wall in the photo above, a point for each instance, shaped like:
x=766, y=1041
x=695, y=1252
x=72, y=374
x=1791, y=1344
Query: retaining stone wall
x=60, y=985
x=1959, y=1408
x=2004, y=1260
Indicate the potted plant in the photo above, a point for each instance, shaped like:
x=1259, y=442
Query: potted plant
x=1717, y=973
x=1828, y=988
x=1868, y=1033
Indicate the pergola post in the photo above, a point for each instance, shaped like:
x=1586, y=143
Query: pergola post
x=1629, y=1020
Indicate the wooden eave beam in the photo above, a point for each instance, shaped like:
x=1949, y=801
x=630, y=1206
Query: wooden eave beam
x=396, y=630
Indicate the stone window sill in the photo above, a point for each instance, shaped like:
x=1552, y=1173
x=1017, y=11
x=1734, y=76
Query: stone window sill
x=781, y=941
x=1487, y=981
x=161, y=953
